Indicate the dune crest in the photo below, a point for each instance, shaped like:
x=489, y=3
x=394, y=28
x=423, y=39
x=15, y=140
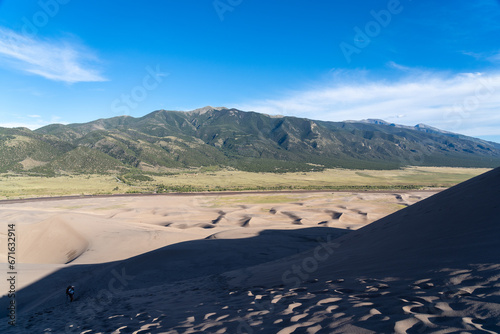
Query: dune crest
x=50, y=241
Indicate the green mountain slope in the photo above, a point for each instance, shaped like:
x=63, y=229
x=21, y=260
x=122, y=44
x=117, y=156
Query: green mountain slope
x=22, y=149
x=233, y=138
x=82, y=160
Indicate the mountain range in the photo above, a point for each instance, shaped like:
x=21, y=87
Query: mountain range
x=224, y=137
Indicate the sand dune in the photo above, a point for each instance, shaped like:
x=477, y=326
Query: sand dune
x=50, y=241
x=317, y=267
x=142, y=220
x=459, y=225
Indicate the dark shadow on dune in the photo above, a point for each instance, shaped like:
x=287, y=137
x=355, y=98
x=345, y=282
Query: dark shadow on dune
x=182, y=261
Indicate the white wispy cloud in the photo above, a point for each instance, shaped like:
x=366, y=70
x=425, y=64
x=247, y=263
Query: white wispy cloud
x=468, y=103
x=492, y=57
x=54, y=60
x=495, y=58
x=32, y=121
x=21, y=124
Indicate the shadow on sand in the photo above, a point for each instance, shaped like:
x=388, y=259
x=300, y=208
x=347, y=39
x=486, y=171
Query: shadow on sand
x=173, y=263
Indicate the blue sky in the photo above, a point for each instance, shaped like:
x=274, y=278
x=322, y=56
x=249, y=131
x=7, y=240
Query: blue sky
x=405, y=61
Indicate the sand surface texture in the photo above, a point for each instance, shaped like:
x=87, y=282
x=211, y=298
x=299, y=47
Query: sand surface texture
x=305, y=263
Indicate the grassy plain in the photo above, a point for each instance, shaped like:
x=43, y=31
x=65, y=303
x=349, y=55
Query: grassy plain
x=19, y=186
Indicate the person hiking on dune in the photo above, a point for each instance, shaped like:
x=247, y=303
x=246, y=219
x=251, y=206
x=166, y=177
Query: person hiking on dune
x=70, y=291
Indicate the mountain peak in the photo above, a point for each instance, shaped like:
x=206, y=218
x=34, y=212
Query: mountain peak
x=425, y=127
x=201, y=111
x=375, y=121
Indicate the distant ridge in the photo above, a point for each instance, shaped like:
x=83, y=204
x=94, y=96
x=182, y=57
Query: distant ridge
x=420, y=126
x=228, y=137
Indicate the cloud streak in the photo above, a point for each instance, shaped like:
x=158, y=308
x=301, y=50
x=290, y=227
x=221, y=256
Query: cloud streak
x=467, y=103
x=31, y=122
x=53, y=60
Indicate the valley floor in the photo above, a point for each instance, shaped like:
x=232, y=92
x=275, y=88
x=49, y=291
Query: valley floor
x=24, y=186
